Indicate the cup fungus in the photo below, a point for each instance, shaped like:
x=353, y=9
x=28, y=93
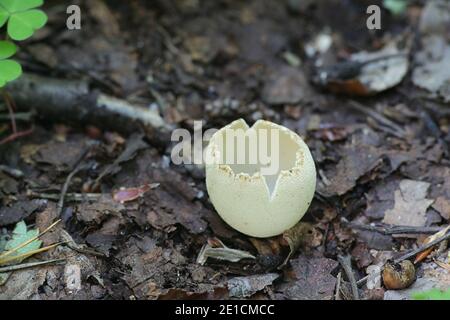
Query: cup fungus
x=261, y=180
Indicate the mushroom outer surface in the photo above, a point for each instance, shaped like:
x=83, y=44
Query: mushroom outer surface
x=258, y=205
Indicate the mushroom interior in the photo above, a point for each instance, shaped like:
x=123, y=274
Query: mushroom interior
x=263, y=148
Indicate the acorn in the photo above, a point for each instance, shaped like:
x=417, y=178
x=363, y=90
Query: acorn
x=397, y=276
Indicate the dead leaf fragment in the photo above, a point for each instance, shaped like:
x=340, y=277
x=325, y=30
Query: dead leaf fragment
x=433, y=70
x=383, y=74
x=242, y=287
x=129, y=194
x=313, y=279
x=410, y=204
x=357, y=160
x=217, y=250
x=19, y=211
x=288, y=85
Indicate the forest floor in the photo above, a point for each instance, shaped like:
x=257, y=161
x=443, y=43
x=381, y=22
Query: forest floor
x=382, y=159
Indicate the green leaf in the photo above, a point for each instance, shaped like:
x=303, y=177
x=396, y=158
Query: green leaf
x=10, y=70
x=4, y=15
x=20, y=235
x=7, y=49
x=433, y=294
x=23, y=19
x=396, y=7
x=20, y=5
x=22, y=25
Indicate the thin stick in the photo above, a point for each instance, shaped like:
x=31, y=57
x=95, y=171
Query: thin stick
x=68, y=197
x=64, y=190
x=346, y=264
x=19, y=116
x=20, y=246
x=410, y=254
x=15, y=173
x=390, y=230
x=66, y=184
x=378, y=117
x=10, y=106
x=337, y=295
x=16, y=135
x=29, y=265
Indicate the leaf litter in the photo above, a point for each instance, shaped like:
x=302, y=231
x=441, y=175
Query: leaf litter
x=376, y=162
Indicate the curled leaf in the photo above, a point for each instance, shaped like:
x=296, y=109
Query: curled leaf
x=129, y=194
x=218, y=250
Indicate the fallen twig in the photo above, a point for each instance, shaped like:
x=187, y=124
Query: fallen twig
x=411, y=254
x=29, y=265
x=65, y=187
x=391, y=230
x=74, y=102
x=15, y=173
x=10, y=106
x=346, y=264
x=75, y=197
x=396, y=130
x=19, y=116
x=337, y=295
x=17, y=135
x=77, y=247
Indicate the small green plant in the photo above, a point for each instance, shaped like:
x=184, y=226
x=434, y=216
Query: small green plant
x=10, y=69
x=21, y=19
x=433, y=294
x=396, y=7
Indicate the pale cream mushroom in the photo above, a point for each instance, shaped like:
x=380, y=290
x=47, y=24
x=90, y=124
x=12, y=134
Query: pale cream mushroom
x=246, y=195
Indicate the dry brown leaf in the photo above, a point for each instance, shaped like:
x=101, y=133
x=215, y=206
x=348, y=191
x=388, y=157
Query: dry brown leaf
x=410, y=204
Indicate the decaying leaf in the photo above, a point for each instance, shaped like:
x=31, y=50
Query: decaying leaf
x=134, y=143
x=410, y=205
x=365, y=73
x=217, y=293
x=313, y=279
x=435, y=18
x=443, y=265
x=19, y=211
x=129, y=194
x=216, y=249
x=357, y=160
x=241, y=287
x=288, y=85
x=20, y=235
x=382, y=74
x=99, y=211
x=433, y=61
x=433, y=71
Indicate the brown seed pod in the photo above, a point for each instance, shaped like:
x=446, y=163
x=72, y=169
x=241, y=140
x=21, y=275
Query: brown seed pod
x=398, y=276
